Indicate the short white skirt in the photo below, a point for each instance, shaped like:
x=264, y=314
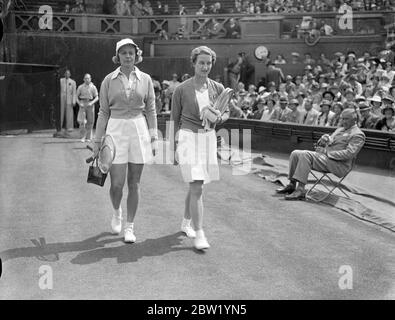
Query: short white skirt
x=132, y=140
x=197, y=155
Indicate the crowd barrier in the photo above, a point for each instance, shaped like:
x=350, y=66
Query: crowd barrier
x=378, y=151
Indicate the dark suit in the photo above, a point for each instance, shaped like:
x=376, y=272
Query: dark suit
x=342, y=149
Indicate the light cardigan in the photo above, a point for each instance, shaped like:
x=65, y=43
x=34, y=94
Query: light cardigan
x=185, y=112
x=115, y=103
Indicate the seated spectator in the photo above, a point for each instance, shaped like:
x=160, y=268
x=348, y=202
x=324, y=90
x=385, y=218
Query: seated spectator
x=67, y=8
x=326, y=115
x=122, y=8
x=294, y=116
x=337, y=110
x=257, y=109
x=335, y=154
x=166, y=96
x=308, y=59
x=375, y=103
x=269, y=109
x=280, y=60
x=163, y=35
x=387, y=100
x=232, y=29
x=108, y=6
x=214, y=30
x=281, y=112
x=78, y=7
x=295, y=58
x=387, y=123
x=203, y=8
x=325, y=29
x=309, y=116
x=368, y=119
x=185, y=76
x=289, y=85
x=136, y=9
x=165, y=11
x=147, y=9
x=235, y=110
x=328, y=95
x=182, y=10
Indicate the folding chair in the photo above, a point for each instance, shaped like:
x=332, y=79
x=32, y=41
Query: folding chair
x=336, y=184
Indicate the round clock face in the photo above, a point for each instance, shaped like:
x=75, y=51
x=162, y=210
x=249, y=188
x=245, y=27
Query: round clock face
x=261, y=52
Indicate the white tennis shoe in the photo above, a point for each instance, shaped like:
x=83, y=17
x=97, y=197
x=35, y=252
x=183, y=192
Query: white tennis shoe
x=187, y=228
x=116, y=222
x=129, y=233
x=200, y=241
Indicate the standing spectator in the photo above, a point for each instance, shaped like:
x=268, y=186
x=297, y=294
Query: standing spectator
x=326, y=115
x=87, y=96
x=246, y=70
x=173, y=83
x=274, y=74
x=326, y=29
x=368, y=119
x=203, y=8
x=68, y=99
x=165, y=96
x=281, y=112
x=309, y=116
x=165, y=11
x=233, y=70
x=289, y=85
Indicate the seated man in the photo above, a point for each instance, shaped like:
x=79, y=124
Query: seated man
x=334, y=153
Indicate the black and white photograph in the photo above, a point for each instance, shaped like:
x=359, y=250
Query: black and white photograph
x=218, y=153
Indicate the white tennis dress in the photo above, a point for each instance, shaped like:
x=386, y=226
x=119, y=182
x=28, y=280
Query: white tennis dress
x=197, y=152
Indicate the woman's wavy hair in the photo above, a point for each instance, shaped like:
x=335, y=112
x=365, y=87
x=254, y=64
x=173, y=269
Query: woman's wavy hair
x=203, y=50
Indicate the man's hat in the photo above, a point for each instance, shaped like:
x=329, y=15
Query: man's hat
x=294, y=101
x=288, y=77
x=338, y=54
x=295, y=54
x=308, y=67
x=338, y=103
x=360, y=98
x=166, y=82
x=271, y=84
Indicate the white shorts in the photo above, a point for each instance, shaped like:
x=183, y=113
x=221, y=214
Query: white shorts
x=132, y=140
x=197, y=155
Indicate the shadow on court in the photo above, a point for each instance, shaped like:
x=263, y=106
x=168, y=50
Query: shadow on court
x=93, y=249
x=133, y=252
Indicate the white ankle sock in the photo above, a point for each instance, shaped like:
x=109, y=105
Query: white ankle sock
x=129, y=225
x=199, y=233
x=118, y=212
x=186, y=222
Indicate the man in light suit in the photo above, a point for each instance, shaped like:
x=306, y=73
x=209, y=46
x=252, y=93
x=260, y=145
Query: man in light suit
x=281, y=112
x=309, y=115
x=68, y=98
x=334, y=153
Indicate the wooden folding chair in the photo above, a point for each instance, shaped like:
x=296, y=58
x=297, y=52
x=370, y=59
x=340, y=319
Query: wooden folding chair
x=331, y=189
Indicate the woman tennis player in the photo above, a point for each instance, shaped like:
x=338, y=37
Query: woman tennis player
x=124, y=94
x=197, y=145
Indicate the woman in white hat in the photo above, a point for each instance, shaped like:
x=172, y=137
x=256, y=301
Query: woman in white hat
x=375, y=102
x=197, y=146
x=125, y=94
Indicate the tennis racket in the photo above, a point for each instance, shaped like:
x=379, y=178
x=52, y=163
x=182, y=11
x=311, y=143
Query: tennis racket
x=106, y=155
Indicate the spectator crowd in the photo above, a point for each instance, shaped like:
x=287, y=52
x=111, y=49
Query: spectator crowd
x=319, y=95
x=147, y=8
